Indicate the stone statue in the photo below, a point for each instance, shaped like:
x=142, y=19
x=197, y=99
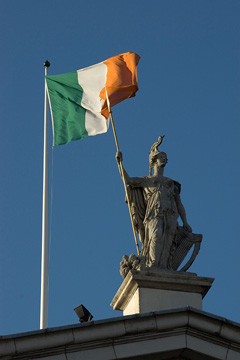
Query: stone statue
x=156, y=205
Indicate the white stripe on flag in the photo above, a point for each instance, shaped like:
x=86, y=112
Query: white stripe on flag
x=92, y=80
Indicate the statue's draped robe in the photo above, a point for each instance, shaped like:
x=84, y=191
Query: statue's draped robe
x=157, y=228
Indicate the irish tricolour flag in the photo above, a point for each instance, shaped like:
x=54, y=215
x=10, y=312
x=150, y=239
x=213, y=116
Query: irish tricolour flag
x=78, y=99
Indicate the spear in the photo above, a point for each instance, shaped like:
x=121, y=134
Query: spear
x=122, y=174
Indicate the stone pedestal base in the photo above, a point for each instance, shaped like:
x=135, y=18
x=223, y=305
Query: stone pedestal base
x=157, y=290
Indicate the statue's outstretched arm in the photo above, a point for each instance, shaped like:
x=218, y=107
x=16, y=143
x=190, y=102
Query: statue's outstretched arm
x=119, y=159
x=182, y=213
x=132, y=181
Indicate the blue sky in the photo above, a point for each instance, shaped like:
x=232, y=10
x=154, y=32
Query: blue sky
x=188, y=90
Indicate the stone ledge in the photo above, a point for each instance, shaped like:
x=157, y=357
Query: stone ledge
x=150, y=336
x=190, y=288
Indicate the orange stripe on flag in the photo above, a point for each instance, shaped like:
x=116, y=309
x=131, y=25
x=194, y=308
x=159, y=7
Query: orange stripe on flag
x=121, y=82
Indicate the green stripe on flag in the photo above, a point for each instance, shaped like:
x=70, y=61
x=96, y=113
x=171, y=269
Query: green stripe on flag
x=68, y=115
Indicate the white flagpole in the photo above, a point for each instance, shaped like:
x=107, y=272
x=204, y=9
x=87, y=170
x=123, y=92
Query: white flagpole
x=44, y=272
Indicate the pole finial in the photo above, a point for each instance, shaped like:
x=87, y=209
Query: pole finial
x=46, y=63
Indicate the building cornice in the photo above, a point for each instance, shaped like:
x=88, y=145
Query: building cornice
x=167, y=333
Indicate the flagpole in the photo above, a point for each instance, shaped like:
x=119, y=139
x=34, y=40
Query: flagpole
x=44, y=269
x=123, y=176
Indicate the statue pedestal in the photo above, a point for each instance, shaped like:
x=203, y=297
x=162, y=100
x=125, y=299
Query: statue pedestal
x=157, y=290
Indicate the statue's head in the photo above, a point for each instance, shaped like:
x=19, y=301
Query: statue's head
x=161, y=155
x=155, y=154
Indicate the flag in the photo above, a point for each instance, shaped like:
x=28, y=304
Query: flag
x=78, y=99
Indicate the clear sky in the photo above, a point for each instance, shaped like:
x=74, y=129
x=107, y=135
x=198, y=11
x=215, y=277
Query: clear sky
x=188, y=90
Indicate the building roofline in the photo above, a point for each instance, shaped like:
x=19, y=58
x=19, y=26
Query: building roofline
x=120, y=318
x=169, y=333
